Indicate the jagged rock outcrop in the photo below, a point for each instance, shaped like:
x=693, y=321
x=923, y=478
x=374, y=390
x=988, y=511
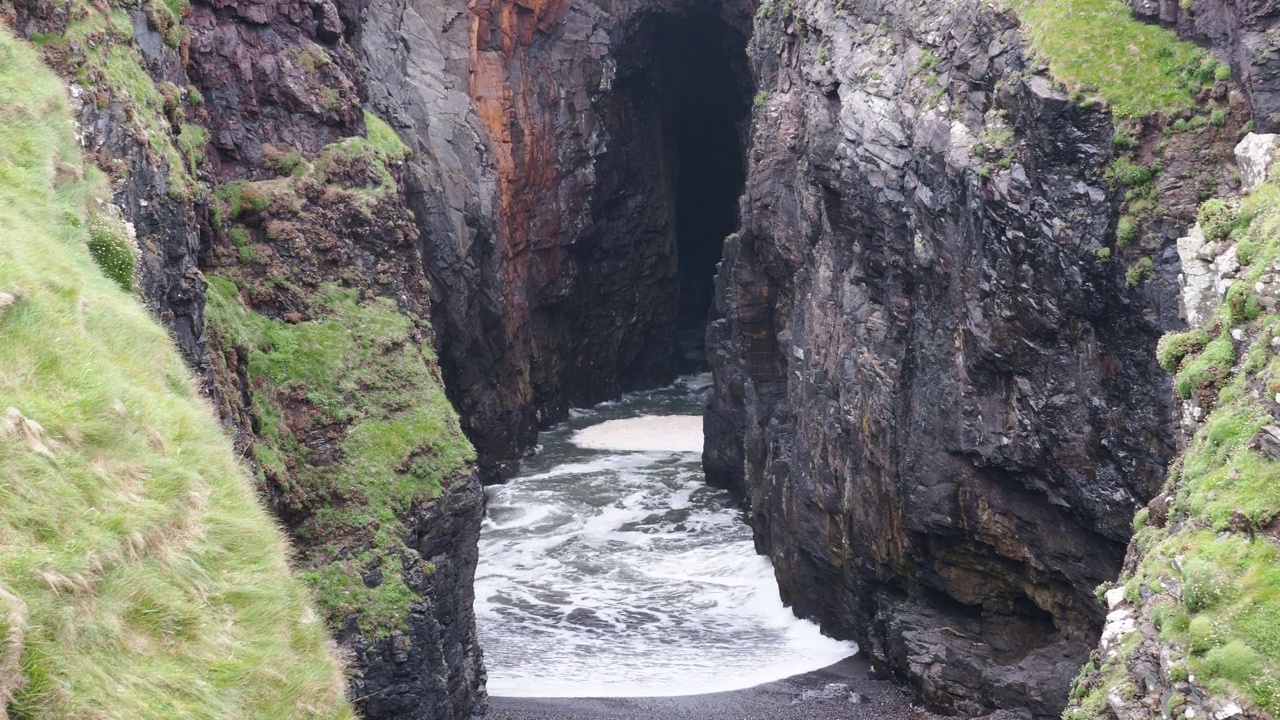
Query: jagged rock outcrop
x=937, y=396
x=1243, y=31
x=544, y=180
x=273, y=75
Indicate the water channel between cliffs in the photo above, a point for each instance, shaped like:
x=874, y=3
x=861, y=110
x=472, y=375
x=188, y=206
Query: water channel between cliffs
x=609, y=569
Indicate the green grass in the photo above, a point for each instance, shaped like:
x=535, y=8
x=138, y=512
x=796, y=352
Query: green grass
x=1213, y=570
x=385, y=140
x=139, y=577
x=1207, y=369
x=355, y=366
x=1174, y=347
x=191, y=141
x=1097, y=46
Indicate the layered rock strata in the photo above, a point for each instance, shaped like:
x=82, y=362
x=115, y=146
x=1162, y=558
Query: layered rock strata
x=938, y=398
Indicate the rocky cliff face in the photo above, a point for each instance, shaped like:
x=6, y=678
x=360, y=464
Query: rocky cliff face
x=935, y=383
x=936, y=392
x=939, y=399
x=546, y=185
x=359, y=451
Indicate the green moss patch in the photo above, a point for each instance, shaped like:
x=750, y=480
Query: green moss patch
x=385, y=140
x=358, y=374
x=1206, y=370
x=111, y=248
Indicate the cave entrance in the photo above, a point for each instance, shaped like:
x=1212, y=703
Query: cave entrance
x=691, y=72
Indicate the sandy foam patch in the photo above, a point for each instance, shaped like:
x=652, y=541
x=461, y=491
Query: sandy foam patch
x=649, y=433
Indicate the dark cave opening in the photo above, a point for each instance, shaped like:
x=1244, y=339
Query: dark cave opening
x=692, y=73
x=710, y=101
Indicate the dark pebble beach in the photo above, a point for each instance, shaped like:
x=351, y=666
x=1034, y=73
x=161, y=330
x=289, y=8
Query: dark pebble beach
x=844, y=691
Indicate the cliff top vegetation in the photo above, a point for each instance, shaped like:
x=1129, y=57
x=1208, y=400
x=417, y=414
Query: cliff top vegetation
x=1097, y=48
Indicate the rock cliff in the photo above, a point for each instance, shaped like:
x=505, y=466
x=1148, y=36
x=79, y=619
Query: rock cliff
x=141, y=576
x=563, y=152
x=933, y=385
x=936, y=386
x=312, y=247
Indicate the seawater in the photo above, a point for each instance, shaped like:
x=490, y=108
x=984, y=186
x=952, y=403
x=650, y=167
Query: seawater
x=609, y=569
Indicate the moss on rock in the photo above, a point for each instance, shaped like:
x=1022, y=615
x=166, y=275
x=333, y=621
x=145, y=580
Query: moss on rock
x=1209, y=561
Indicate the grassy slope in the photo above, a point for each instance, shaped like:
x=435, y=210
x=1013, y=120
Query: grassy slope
x=1208, y=577
x=139, y=578
x=1096, y=46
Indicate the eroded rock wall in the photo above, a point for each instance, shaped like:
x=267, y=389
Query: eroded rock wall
x=302, y=218
x=541, y=187
x=940, y=402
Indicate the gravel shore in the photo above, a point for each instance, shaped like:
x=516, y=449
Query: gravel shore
x=844, y=691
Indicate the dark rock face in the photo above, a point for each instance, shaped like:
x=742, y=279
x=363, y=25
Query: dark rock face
x=941, y=405
x=433, y=671
x=273, y=74
x=545, y=184
x=1242, y=31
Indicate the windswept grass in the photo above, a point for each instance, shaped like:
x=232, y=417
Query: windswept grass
x=139, y=577
x=1096, y=46
x=384, y=139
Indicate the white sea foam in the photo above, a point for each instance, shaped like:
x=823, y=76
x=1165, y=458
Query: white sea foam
x=623, y=574
x=650, y=433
